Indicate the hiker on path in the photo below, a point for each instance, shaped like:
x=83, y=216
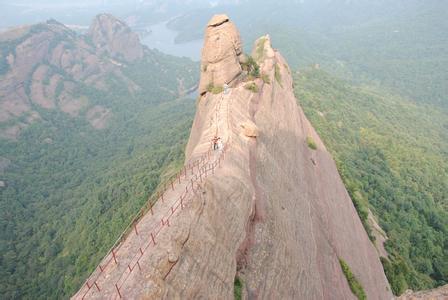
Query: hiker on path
x=215, y=142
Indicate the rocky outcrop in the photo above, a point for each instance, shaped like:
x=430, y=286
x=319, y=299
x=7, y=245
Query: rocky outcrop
x=221, y=55
x=278, y=216
x=275, y=213
x=434, y=294
x=114, y=37
x=43, y=65
x=249, y=129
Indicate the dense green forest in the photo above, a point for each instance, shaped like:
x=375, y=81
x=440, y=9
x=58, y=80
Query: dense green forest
x=71, y=189
x=393, y=153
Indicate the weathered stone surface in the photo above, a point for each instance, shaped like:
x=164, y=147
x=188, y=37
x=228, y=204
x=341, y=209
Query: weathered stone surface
x=221, y=55
x=113, y=36
x=275, y=212
x=249, y=129
x=278, y=220
x=440, y=293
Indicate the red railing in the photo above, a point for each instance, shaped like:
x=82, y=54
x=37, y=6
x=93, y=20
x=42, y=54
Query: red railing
x=204, y=169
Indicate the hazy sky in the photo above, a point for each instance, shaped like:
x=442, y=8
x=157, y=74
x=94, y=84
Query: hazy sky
x=13, y=13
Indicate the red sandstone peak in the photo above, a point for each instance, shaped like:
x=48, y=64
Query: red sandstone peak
x=113, y=36
x=265, y=207
x=222, y=54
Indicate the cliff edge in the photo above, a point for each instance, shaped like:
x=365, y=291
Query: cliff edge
x=272, y=209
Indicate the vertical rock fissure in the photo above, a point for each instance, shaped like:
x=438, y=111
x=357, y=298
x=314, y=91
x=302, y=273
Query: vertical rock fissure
x=257, y=214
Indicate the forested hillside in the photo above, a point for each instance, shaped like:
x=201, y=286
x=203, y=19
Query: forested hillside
x=393, y=157
x=72, y=187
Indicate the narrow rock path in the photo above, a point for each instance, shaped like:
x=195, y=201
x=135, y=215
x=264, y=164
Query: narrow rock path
x=110, y=277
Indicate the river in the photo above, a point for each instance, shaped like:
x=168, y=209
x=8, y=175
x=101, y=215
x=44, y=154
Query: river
x=162, y=38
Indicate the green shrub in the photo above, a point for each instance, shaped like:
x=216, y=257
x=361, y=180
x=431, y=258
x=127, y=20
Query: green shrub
x=251, y=87
x=354, y=284
x=265, y=78
x=278, y=75
x=311, y=143
x=237, y=288
x=251, y=67
x=395, y=270
x=214, y=89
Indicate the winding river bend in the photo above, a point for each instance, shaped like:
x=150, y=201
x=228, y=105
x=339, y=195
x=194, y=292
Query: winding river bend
x=162, y=39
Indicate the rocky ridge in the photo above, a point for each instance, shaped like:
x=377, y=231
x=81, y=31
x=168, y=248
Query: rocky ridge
x=276, y=214
x=43, y=66
x=114, y=37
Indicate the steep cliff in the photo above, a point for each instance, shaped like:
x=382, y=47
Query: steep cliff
x=272, y=209
x=221, y=55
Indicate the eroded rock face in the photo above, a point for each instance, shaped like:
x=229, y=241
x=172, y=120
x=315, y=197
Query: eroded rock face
x=275, y=213
x=116, y=38
x=43, y=64
x=278, y=212
x=221, y=55
x=436, y=294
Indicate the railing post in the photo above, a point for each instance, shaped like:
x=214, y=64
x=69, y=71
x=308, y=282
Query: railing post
x=101, y=268
x=153, y=239
x=138, y=264
x=118, y=290
x=97, y=287
x=141, y=251
x=172, y=185
x=135, y=228
x=113, y=254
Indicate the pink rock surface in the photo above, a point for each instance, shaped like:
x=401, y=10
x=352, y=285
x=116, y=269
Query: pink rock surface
x=115, y=37
x=440, y=293
x=276, y=212
x=221, y=55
